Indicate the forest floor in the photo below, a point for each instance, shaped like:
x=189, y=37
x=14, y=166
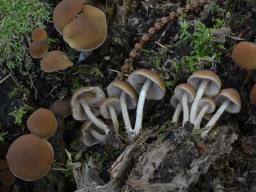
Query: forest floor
x=200, y=40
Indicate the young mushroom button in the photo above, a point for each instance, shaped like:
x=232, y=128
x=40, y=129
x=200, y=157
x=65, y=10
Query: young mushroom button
x=109, y=109
x=186, y=94
x=83, y=100
x=30, y=157
x=207, y=83
x=178, y=108
x=228, y=100
x=37, y=49
x=92, y=135
x=150, y=86
x=206, y=105
x=128, y=99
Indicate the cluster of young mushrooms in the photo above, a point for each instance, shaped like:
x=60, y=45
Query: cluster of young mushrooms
x=195, y=99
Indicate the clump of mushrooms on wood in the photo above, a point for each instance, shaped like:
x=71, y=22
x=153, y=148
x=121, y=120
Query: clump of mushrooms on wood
x=203, y=93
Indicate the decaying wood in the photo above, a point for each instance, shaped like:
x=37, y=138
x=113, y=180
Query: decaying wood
x=163, y=160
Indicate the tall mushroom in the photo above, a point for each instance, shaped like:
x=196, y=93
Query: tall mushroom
x=109, y=109
x=42, y=123
x=206, y=105
x=186, y=94
x=150, y=86
x=83, y=100
x=178, y=108
x=30, y=157
x=207, y=83
x=228, y=100
x=128, y=100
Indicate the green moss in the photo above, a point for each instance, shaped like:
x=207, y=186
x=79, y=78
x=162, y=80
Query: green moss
x=19, y=114
x=17, y=19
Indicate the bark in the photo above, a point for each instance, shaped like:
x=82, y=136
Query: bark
x=163, y=159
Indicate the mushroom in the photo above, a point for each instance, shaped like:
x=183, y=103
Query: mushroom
x=37, y=49
x=207, y=83
x=65, y=12
x=87, y=31
x=253, y=95
x=91, y=135
x=206, y=105
x=243, y=55
x=178, y=108
x=55, y=61
x=83, y=100
x=128, y=100
x=39, y=35
x=7, y=178
x=109, y=109
x=186, y=94
x=61, y=107
x=42, y=123
x=228, y=100
x=151, y=86
x=30, y=157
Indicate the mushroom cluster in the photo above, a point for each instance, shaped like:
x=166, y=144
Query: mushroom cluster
x=39, y=47
x=30, y=156
x=88, y=103
x=200, y=96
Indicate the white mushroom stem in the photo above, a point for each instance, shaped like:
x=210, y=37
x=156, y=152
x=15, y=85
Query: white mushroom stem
x=199, y=94
x=93, y=118
x=140, y=106
x=101, y=138
x=184, y=103
x=200, y=116
x=176, y=114
x=215, y=117
x=125, y=114
x=114, y=119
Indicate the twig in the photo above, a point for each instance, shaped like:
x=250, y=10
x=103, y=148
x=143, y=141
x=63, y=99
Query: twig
x=5, y=78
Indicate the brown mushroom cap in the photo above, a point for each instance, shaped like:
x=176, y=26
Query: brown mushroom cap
x=55, y=61
x=156, y=90
x=7, y=178
x=39, y=34
x=231, y=95
x=42, y=123
x=37, y=49
x=30, y=157
x=115, y=89
x=87, y=31
x=207, y=101
x=253, y=95
x=244, y=55
x=65, y=12
x=110, y=101
x=185, y=88
x=93, y=96
x=61, y=107
x=213, y=86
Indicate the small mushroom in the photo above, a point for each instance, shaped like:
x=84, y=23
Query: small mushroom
x=186, y=94
x=228, y=100
x=207, y=83
x=87, y=31
x=39, y=35
x=253, y=95
x=65, y=12
x=7, y=178
x=109, y=109
x=178, y=108
x=61, y=107
x=37, y=49
x=42, y=123
x=244, y=56
x=91, y=135
x=83, y=100
x=150, y=86
x=30, y=157
x=206, y=105
x=128, y=100
x=55, y=61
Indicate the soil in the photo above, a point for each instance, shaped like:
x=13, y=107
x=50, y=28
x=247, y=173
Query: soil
x=235, y=172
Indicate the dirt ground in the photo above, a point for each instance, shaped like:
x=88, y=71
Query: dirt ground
x=127, y=23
